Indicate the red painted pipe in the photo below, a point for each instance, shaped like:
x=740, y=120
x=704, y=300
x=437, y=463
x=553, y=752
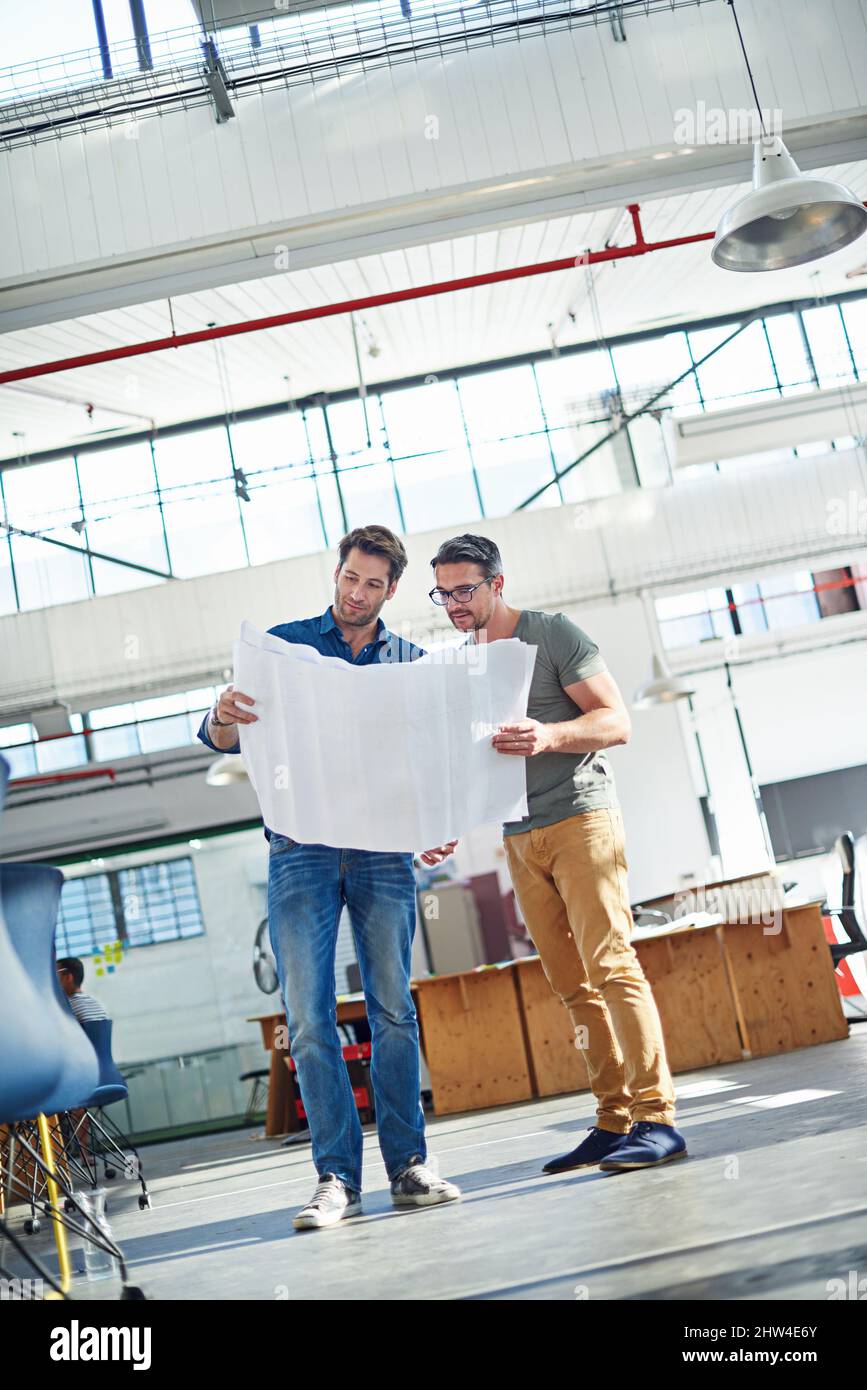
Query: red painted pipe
x=61, y=777
x=348, y=306
x=371, y=301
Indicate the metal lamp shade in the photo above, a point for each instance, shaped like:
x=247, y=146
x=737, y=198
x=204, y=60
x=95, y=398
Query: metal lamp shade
x=662, y=689
x=788, y=218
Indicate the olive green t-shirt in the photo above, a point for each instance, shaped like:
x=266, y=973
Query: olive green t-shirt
x=560, y=784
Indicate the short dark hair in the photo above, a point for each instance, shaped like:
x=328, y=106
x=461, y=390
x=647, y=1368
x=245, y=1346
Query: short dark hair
x=75, y=968
x=376, y=540
x=476, y=550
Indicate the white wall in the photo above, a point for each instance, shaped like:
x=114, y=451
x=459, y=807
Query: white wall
x=184, y=996
x=805, y=713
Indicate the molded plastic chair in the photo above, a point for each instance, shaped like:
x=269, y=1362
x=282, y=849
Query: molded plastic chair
x=30, y=895
x=111, y=1086
x=30, y=1059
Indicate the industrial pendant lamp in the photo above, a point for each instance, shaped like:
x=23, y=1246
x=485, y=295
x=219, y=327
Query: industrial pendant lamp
x=662, y=689
x=788, y=218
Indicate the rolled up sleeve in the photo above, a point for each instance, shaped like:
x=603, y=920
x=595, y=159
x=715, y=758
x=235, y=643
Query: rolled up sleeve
x=205, y=738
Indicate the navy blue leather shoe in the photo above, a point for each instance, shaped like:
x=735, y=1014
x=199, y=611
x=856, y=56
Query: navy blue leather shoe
x=646, y=1145
x=601, y=1143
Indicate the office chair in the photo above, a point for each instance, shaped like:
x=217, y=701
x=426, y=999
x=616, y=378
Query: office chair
x=857, y=941
x=104, y=1139
x=30, y=894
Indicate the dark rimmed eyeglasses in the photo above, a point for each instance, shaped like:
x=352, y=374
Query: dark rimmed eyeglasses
x=462, y=594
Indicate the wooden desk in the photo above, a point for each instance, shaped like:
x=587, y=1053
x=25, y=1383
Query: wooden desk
x=281, y=1115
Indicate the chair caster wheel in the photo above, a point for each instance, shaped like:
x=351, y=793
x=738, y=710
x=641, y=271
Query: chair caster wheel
x=68, y=1205
x=131, y=1292
x=144, y=1201
x=32, y=1226
x=109, y=1174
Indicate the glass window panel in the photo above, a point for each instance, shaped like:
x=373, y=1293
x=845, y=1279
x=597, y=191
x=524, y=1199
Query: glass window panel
x=369, y=496
x=160, y=705
x=204, y=533
x=499, y=404
x=22, y=761
x=349, y=432
x=164, y=733
x=570, y=386
x=828, y=344
x=790, y=357
x=201, y=699
x=58, y=753
x=15, y=733
x=58, y=26
x=796, y=604
x=270, y=447
x=423, y=419
x=123, y=519
x=46, y=574
x=86, y=919
x=199, y=460
x=42, y=496
x=283, y=519
x=598, y=475
x=317, y=439
x=650, y=452
x=329, y=503
x=738, y=372
x=160, y=902
x=509, y=470
x=855, y=315
x=687, y=631
x=124, y=476
x=8, y=602
x=437, y=490
x=686, y=619
x=751, y=614
x=645, y=366
x=110, y=715
x=814, y=449
x=115, y=743
x=140, y=539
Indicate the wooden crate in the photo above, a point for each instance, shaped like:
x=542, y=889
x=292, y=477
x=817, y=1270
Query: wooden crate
x=474, y=1040
x=556, y=1064
x=687, y=973
x=785, y=983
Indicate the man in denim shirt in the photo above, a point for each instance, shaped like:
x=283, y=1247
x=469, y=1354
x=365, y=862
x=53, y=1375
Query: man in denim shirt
x=307, y=888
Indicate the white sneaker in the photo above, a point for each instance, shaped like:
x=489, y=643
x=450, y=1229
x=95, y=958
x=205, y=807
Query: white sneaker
x=418, y=1186
x=330, y=1203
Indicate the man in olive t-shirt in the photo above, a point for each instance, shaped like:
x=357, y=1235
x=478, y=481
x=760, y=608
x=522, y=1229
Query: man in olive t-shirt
x=567, y=860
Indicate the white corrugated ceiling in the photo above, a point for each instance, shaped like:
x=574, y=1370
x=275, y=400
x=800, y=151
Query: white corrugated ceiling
x=418, y=337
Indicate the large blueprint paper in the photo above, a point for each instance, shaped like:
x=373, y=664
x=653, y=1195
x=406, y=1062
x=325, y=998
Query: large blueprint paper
x=384, y=757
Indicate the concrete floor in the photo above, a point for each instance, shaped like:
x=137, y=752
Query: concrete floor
x=771, y=1204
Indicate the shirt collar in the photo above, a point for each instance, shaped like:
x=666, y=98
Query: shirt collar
x=326, y=623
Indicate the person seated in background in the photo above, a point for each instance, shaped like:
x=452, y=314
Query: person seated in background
x=86, y=1008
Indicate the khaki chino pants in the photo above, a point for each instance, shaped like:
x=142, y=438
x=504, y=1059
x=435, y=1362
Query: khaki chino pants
x=571, y=883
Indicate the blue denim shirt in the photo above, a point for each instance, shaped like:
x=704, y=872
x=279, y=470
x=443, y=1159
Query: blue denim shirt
x=324, y=634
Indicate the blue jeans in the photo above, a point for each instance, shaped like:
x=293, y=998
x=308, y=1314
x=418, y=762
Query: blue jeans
x=307, y=888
